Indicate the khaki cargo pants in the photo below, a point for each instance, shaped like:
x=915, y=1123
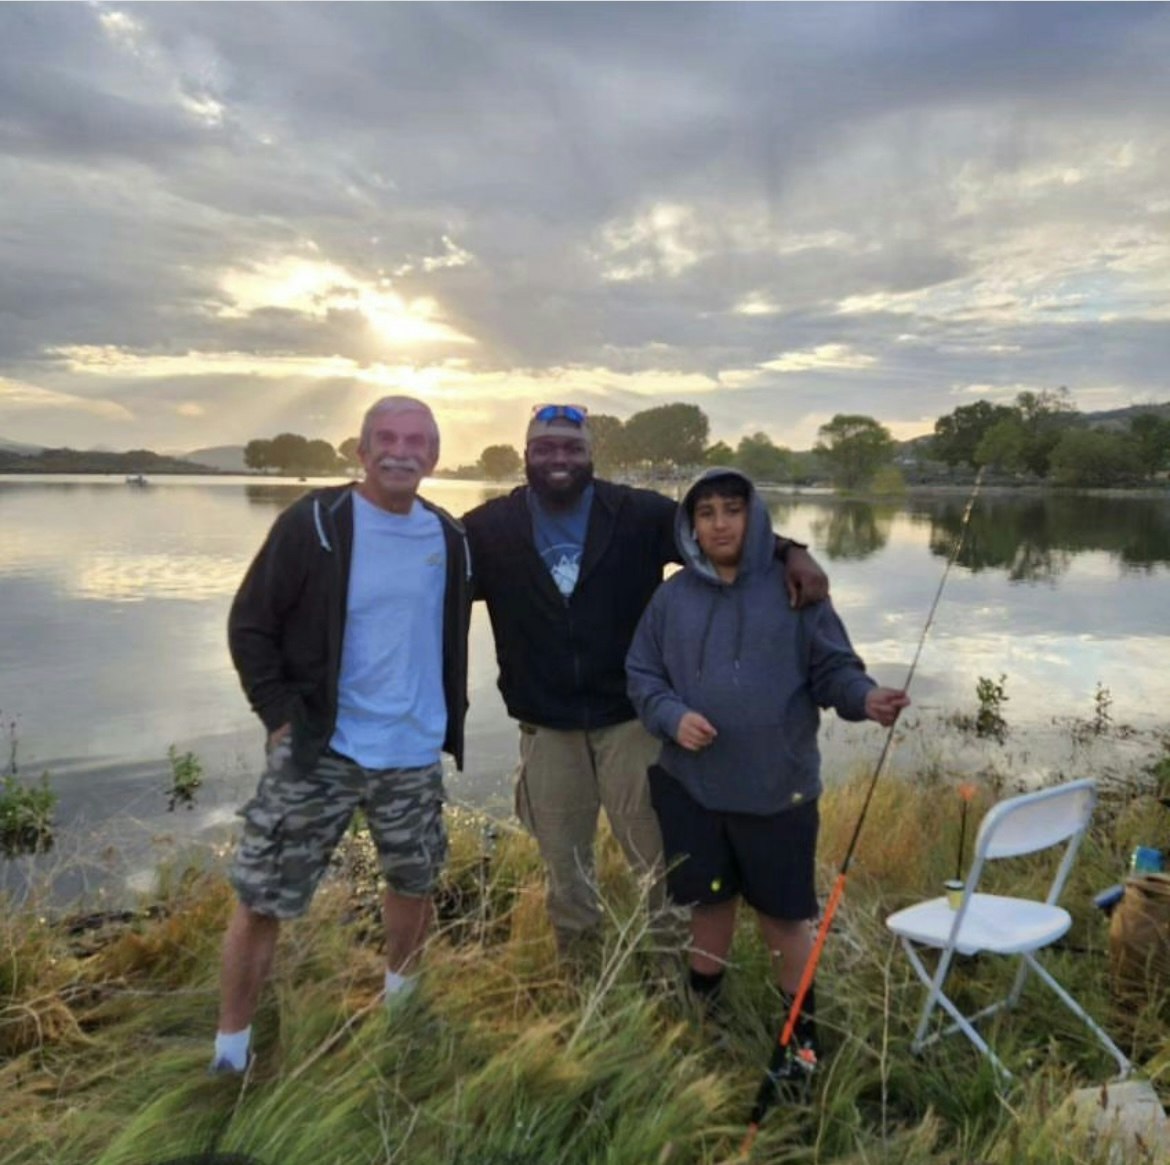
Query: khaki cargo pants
x=564, y=778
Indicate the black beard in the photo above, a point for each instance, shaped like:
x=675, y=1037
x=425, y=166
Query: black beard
x=580, y=476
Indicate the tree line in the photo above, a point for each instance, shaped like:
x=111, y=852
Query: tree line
x=292, y=453
x=1040, y=437
x=1044, y=437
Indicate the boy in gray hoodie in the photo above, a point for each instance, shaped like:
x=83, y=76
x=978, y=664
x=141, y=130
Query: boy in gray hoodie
x=730, y=680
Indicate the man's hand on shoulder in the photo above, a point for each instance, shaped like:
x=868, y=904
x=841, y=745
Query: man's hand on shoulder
x=805, y=580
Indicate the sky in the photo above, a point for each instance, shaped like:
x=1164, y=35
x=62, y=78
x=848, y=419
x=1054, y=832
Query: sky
x=225, y=221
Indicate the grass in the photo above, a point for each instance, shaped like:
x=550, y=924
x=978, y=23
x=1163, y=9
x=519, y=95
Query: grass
x=502, y=1059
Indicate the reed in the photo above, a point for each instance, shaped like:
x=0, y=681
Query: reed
x=501, y=1058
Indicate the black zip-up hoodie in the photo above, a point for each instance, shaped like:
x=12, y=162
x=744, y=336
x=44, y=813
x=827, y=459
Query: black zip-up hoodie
x=562, y=661
x=287, y=622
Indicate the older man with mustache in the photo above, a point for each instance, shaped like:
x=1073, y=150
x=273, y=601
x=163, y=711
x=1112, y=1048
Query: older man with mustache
x=349, y=633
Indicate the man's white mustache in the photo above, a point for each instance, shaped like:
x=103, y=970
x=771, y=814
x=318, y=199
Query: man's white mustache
x=408, y=463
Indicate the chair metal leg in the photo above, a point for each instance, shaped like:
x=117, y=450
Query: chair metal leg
x=1018, y=986
x=1122, y=1061
x=936, y=998
x=933, y=986
x=990, y=1009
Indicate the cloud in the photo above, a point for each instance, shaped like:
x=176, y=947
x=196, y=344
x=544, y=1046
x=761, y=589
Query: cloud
x=822, y=356
x=775, y=211
x=17, y=397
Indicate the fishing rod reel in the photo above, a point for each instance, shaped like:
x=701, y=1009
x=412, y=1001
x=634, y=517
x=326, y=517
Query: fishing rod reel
x=789, y=1076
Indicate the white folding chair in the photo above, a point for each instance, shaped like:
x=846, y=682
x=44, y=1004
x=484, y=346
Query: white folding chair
x=994, y=924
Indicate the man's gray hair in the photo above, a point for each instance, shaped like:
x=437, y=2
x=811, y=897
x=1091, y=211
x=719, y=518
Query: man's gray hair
x=398, y=404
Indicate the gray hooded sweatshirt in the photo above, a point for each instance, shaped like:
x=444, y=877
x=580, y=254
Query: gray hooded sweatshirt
x=754, y=667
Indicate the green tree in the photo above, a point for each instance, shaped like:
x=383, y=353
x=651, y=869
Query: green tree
x=719, y=454
x=320, y=457
x=288, y=452
x=258, y=454
x=669, y=436
x=608, y=443
x=348, y=451
x=1003, y=445
x=958, y=434
x=292, y=453
x=806, y=468
x=1092, y=457
x=1045, y=416
x=854, y=448
x=761, y=460
x=1151, y=440
x=499, y=461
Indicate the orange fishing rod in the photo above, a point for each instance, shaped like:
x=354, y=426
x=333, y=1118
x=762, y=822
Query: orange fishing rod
x=782, y=1053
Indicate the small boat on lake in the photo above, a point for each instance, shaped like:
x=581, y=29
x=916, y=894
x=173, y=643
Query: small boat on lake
x=136, y=479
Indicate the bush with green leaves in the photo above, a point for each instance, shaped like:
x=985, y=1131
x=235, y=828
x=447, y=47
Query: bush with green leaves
x=989, y=719
x=186, y=778
x=26, y=816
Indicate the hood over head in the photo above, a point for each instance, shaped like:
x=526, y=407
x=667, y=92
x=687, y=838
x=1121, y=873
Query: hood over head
x=759, y=541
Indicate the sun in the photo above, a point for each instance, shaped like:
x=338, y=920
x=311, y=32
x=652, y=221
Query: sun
x=314, y=288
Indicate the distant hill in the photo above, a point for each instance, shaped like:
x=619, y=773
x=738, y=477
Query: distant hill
x=135, y=461
x=17, y=447
x=225, y=458
x=1120, y=418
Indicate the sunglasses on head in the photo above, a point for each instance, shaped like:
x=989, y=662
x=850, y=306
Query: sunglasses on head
x=574, y=414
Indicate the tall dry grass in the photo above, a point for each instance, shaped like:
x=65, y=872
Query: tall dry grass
x=502, y=1058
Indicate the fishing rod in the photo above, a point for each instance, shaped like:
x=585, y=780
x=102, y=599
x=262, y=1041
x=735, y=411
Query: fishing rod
x=782, y=1054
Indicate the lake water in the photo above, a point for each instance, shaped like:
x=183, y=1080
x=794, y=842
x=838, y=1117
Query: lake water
x=114, y=601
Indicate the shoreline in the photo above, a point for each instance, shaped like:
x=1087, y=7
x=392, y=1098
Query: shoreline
x=115, y=839
x=666, y=484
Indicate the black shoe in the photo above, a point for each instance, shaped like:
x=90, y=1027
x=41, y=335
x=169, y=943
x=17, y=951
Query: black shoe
x=792, y=1071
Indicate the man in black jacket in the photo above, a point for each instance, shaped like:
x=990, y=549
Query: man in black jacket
x=566, y=566
x=349, y=633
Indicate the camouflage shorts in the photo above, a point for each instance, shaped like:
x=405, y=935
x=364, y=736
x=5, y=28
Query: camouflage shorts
x=294, y=822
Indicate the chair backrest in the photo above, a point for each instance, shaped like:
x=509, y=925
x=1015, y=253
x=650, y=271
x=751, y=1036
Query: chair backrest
x=1035, y=821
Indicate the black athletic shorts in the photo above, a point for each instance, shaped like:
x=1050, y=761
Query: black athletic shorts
x=712, y=857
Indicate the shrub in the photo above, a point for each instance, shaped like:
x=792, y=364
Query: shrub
x=26, y=816
x=186, y=778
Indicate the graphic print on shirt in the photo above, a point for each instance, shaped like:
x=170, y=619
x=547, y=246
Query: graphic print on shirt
x=560, y=538
x=564, y=564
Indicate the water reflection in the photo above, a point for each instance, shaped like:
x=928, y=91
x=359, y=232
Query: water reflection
x=453, y=495
x=853, y=529
x=273, y=494
x=116, y=600
x=1036, y=539
x=118, y=578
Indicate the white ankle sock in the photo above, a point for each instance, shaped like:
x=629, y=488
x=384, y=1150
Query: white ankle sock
x=399, y=986
x=233, y=1047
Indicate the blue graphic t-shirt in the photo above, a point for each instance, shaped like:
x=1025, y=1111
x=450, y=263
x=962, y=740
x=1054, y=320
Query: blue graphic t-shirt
x=560, y=537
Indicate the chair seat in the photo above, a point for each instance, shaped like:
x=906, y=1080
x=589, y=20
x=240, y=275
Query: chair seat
x=1003, y=926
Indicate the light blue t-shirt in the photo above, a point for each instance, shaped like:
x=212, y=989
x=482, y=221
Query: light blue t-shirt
x=391, y=711
x=560, y=537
